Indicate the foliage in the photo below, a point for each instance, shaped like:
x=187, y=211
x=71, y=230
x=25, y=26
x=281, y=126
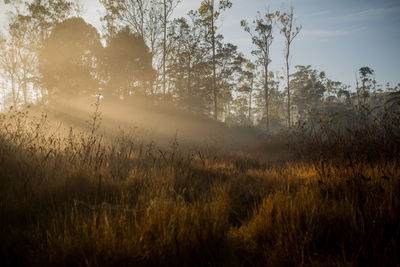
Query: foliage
x=262, y=36
x=67, y=60
x=323, y=191
x=309, y=90
x=290, y=31
x=127, y=65
x=183, y=62
x=76, y=199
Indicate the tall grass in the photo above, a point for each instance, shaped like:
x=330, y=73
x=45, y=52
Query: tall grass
x=77, y=199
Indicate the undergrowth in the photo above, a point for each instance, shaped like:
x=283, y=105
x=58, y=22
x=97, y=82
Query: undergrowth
x=80, y=200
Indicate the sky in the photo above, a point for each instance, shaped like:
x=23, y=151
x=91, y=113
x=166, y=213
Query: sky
x=337, y=36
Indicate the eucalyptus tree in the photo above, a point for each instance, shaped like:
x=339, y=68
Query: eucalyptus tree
x=127, y=65
x=289, y=30
x=143, y=17
x=261, y=32
x=247, y=84
x=210, y=11
x=366, y=76
x=168, y=7
x=37, y=18
x=29, y=24
x=228, y=69
x=9, y=71
x=21, y=59
x=147, y=18
x=187, y=62
x=193, y=69
x=309, y=90
x=68, y=59
x=276, y=99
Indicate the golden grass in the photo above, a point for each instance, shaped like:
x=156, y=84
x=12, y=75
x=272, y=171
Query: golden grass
x=78, y=200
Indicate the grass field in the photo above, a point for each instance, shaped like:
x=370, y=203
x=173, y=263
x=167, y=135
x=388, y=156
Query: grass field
x=80, y=199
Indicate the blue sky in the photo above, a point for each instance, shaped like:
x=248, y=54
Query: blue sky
x=338, y=36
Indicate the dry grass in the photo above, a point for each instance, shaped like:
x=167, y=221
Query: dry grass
x=79, y=200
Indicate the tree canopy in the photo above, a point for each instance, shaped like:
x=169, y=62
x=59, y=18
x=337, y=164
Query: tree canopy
x=48, y=51
x=68, y=58
x=127, y=65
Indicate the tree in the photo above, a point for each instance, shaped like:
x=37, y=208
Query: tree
x=69, y=58
x=246, y=85
x=191, y=66
x=127, y=65
x=261, y=35
x=23, y=57
x=309, y=90
x=276, y=104
x=337, y=92
x=289, y=31
x=143, y=17
x=30, y=22
x=8, y=64
x=210, y=13
x=187, y=67
x=147, y=18
x=228, y=69
x=366, y=74
x=168, y=8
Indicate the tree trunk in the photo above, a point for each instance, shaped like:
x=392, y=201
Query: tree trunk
x=189, y=87
x=250, y=97
x=13, y=90
x=363, y=92
x=214, y=64
x=266, y=95
x=25, y=87
x=164, y=45
x=288, y=85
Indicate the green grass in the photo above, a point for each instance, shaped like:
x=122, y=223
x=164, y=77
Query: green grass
x=78, y=199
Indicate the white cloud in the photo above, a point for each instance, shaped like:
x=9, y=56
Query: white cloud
x=371, y=14
x=320, y=33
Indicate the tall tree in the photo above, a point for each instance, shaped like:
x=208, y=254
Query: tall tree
x=187, y=67
x=366, y=74
x=210, y=12
x=228, y=69
x=289, y=30
x=168, y=8
x=143, y=17
x=24, y=57
x=246, y=85
x=9, y=71
x=308, y=92
x=30, y=22
x=261, y=33
x=277, y=107
x=69, y=58
x=147, y=18
x=127, y=65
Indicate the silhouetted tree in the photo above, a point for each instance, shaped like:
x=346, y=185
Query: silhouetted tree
x=366, y=74
x=210, y=13
x=27, y=29
x=143, y=17
x=168, y=7
x=127, y=65
x=187, y=65
x=308, y=92
x=68, y=59
x=246, y=85
x=289, y=31
x=261, y=36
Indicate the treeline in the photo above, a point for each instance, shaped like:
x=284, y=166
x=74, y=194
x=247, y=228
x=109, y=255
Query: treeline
x=50, y=52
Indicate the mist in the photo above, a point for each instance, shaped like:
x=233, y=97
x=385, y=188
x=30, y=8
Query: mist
x=155, y=142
